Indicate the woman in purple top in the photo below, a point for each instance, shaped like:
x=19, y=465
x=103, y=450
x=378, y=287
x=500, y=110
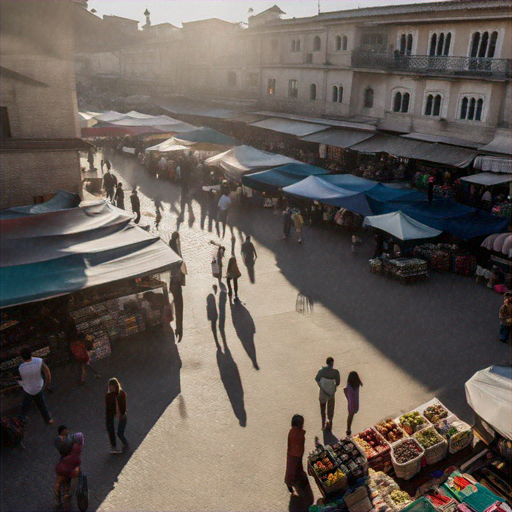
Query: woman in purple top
x=352, y=393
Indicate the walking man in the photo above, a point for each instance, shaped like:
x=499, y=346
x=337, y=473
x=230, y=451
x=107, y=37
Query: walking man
x=119, y=196
x=506, y=318
x=134, y=198
x=108, y=184
x=34, y=385
x=287, y=223
x=249, y=255
x=328, y=379
x=224, y=203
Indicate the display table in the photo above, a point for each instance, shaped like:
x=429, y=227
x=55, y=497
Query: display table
x=406, y=270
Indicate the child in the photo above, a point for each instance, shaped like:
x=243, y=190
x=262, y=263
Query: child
x=352, y=393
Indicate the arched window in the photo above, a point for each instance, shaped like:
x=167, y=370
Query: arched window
x=403, y=44
x=464, y=108
x=293, y=46
x=405, y=102
x=337, y=43
x=440, y=44
x=433, y=45
x=317, y=44
x=344, y=43
x=297, y=45
x=334, y=93
x=397, y=103
x=368, y=98
x=447, y=42
x=475, y=43
x=293, y=88
x=483, y=44
x=437, y=105
x=479, y=108
x=409, y=44
x=428, y=105
x=471, y=109
x=340, y=94
x=492, y=45
x=312, y=92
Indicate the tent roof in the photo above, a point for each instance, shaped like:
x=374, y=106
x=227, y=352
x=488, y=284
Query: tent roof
x=349, y=181
x=243, y=159
x=489, y=393
x=502, y=143
x=61, y=252
x=493, y=164
x=401, y=226
x=339, y=137
x=207, y=135
x=289, y=126
x=62, y=200
x=406, y=148
x=427, y=137
x=488, y=178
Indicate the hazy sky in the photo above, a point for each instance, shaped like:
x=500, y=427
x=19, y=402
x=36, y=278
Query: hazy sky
x=177, y=11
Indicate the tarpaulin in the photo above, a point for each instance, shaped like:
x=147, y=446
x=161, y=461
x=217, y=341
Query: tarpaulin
x=298, y=128
x=62, y=200
x=489, y=393
x=493, y=164
x=401, y=226
x=244, y=159
x=207, y=135
x=275, y=179
x=61, y=252
x=488, y=179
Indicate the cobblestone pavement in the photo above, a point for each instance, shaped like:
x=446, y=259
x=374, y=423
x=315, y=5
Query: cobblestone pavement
x=207, y=422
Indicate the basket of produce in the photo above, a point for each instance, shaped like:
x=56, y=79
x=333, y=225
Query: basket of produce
x=377, y=450
x=390, y=431
x=396, y=500
x=333, y=481
x=413, y=421
x=458, y=434
x=434, y=411
x=434, y=445
x=442, y=502
x=406, y=457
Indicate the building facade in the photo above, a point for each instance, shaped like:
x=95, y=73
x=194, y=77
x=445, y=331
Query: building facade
x=40, y=131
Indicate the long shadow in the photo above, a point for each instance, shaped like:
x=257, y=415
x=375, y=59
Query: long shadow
x=245, y=329
x=213, y=315
x=148, y=367
x=230, y=377
x=222, y=312
x=302, y=501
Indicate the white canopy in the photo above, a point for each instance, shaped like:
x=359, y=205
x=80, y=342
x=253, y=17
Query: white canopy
x=488, y=178
x=241, y=160
x=166, y=146
x=401, y=226
x=489, y=393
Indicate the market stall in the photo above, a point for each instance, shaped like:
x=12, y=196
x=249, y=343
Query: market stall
x=419, y=461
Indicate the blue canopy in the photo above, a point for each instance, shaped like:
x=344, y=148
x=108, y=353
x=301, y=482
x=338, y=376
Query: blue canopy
x=317, y=189
x=206, y=135
x=61, y=252
x=350, y=182
x=280, y=177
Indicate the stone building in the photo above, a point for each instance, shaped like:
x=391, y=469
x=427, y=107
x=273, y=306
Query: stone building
x=40, y=130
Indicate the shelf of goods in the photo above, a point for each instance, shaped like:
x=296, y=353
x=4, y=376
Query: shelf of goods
x=385, y=493
x=447, y=258
x=376, y=449
x=337, y=466
x=406, y=270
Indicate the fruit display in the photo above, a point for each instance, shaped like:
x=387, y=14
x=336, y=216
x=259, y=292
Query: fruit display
x=435, y=413
x=412, y=422
x=407, y=451
x=371, y=443
x=399, y=497
x=332, y=478
x=349, y=459
x=390, y=431
x=428, y=437
x=323, y=465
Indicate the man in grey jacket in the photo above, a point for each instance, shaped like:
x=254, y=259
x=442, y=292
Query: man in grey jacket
x=328, y=380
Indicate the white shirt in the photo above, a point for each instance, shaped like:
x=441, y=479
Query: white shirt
x=224, y=202
x=31, y=378
x=162, y=163
x=487, y=196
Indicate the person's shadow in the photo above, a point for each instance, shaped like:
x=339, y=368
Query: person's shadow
x=250, y=272
x=245, y=329
x=302, y=501
x=222, y=312
x=230, y=377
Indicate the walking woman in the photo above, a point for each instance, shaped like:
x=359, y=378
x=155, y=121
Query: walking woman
x=232, y=274
x=115, y=406
x=81, y=348
x=295, y=477
x=217, y=260
x=178, y=274
x=352, y=394
x=298, y=222
x=68, y=468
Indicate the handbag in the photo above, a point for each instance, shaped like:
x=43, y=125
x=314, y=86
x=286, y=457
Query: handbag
x=82, y=492
x=215, y=268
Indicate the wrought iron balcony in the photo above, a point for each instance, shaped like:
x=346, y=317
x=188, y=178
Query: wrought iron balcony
x=433, y=65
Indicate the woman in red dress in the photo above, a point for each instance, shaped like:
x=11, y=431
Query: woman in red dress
x=295, y=475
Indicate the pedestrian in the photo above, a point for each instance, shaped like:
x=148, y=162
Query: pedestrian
x=81, y=348
x=63, y=443
x=134, y=198
x=33, y=384
x=295, y=476
x=67, y=468
x=102, y=164
x=379, y=246
x=119, y=196
x=328, y=380
x=298, y=222
x=115, y=407
x=90, y=159
x=248, y=251
x=505, y=318
x=287, y=223
x=162, y=166
x=217, y=261
x=224, y=203
x=108, y=184
x=178, y=273
x=352, y=393
x=232, y=274
x=430, y=189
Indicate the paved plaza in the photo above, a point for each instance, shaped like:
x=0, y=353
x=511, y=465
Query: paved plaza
x=208, y=418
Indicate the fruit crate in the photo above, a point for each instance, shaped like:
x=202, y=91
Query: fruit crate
x=382, y=460
x=412, y=430
x=436, y=452
x=433, y=403
x=337, y=455
x=407, y=469
x=385, y=423
x=326, y=490
x=462, y=439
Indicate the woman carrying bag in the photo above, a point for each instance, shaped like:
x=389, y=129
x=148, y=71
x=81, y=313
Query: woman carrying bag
x=232, y=274
x=217, y=261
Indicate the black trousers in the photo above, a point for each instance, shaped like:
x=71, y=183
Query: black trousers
x=235, y=285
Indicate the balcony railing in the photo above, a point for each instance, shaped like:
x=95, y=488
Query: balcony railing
x=435, y=65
